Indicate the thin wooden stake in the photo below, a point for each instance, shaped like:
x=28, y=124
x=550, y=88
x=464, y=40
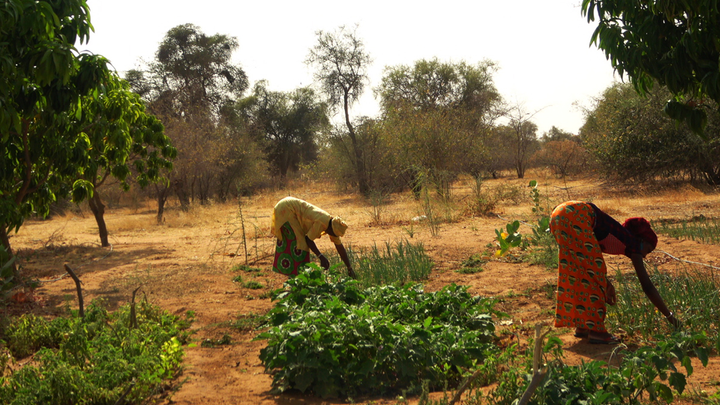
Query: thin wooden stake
x=78, y=288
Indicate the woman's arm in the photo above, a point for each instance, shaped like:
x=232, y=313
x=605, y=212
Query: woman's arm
x=344, y=256
x=324, y=262
x=650, y=291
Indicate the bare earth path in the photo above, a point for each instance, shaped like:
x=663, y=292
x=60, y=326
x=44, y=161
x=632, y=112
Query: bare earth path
x=186, y=265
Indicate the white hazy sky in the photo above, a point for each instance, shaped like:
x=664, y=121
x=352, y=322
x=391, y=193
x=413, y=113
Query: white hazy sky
x=541, y=46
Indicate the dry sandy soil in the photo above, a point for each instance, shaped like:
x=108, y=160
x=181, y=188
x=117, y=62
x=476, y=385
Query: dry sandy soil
x=186, y=264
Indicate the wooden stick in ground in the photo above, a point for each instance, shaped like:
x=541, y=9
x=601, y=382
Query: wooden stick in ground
x=538, y=373
x=79, y=289
x=133, y=314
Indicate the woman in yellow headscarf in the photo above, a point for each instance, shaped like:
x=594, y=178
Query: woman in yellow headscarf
x=296, y=224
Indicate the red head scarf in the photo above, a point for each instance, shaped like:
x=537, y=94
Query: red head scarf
x=640, y=228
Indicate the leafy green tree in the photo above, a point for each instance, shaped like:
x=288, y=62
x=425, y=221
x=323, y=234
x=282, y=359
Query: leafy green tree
x=673, y=43
x=124, y=140
x=288, y=122
x=42, y=81
x=634, y=140
x=342, y=63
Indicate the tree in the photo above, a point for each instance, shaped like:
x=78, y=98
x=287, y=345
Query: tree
x=287, y=122
x=124, y=140
x=439, y=116
x=557, y=134
x=342, y=63
x=42, y=81
x=524, y=136
x=633, y=140
x=563, y=157
x=669, y=42
x=190, y=85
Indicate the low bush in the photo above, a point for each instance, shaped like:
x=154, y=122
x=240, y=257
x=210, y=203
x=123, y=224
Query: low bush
x=95, y=360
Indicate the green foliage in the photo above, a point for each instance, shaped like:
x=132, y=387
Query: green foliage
x=252, y=284
x=633, y=140
x=650, y=373
x=508, y=238
x=332, y=338
x=95, y=359
x=288, y=123
x=693, y=294
x=540, y=247
x=472, y=265
x=248, y=322
x=42, y=82
x=700, y=228
x=672, y=43
x=400, y=262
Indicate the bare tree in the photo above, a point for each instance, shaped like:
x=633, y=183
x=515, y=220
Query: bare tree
x=342, y=64
x=524, y=135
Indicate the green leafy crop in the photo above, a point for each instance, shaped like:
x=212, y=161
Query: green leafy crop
x=333, y=339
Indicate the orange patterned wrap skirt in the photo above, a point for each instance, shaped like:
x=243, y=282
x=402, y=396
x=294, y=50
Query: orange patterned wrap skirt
x=581, y=271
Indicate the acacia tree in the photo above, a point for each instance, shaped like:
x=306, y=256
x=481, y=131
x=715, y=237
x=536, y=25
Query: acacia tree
x=188, y=86
x=42, y=81
x=342, y=63
x=673, y=43
x=288, y=122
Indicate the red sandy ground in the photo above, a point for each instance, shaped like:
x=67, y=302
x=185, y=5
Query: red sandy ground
x=185, y=265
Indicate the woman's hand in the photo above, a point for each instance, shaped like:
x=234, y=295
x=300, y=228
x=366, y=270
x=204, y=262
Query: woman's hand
x=324, y=262
x=673, y=321
x=610, y=294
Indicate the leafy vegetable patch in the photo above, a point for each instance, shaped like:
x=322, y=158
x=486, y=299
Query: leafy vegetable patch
x=332, y=338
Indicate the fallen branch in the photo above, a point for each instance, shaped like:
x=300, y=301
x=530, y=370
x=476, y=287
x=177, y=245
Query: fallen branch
x=78, y=288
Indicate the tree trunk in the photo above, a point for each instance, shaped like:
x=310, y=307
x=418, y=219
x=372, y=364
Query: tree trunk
x=363, y=185
x=98, y=210
x=5, y=240
x=162, y=196
x=181, y=192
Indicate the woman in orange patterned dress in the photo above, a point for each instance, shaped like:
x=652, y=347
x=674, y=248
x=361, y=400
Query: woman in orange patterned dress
x=584, y=233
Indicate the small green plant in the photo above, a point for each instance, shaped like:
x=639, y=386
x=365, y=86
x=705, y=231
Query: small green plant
x=508, y=238
x=540, y=247
x=223, y=341
x=246, y=268
x=252, y=284
x=378, y=201
x=248, y=322
x=472, y=265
